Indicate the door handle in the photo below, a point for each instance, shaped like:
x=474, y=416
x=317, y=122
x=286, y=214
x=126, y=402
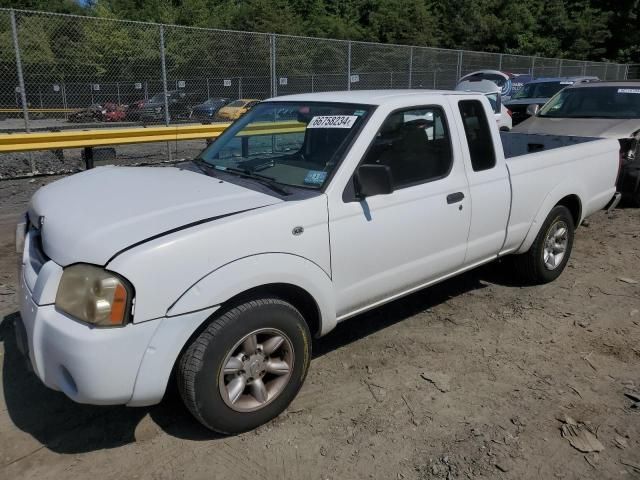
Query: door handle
x=455, y=197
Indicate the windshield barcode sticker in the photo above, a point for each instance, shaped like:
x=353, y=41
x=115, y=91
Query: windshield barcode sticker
x=332, y=121
x=629, y=90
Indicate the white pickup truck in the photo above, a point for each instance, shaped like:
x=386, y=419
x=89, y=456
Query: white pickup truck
x=308, y=210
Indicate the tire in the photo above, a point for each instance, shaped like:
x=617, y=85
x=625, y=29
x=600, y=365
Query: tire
x=210, y=393
x=530, y=266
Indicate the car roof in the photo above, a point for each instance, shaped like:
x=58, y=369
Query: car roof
x=616, y=83
x=368, y=97
x=563, y=79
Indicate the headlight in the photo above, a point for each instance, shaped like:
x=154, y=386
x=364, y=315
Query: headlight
x=94, y=295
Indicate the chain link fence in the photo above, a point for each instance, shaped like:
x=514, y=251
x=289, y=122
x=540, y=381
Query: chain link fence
x=633, y=71
x=65, y=71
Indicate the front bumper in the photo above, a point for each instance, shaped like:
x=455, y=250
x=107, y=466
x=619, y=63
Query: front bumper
x=90, y=365
x=101, y=366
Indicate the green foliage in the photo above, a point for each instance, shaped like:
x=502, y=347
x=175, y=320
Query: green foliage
x=580, y=29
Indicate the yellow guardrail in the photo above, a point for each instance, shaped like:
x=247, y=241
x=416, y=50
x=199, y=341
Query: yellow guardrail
x=40, y=110
x=25, y=142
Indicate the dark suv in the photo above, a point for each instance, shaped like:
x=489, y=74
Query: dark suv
x=153, y=109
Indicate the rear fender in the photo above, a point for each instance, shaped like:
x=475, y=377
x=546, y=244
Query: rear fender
x=254, y=271
x=561, y=191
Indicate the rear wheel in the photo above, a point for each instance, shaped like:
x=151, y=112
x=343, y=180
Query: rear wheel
x=247, y=365
x=550, y=252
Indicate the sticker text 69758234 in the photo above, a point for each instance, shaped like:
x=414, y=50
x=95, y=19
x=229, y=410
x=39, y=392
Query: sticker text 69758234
x=332, y=121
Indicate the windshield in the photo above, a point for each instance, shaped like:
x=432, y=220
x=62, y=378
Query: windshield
x=292, y=143
x=540, y=89
x=594, y=102
x=237, y=103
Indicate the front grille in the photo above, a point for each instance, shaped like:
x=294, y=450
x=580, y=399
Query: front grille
x=37, y=257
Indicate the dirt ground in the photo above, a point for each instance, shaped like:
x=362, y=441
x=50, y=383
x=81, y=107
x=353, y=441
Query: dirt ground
x=464, y=380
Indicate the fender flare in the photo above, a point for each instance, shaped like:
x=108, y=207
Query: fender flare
x=561, y=191
x=253, y=271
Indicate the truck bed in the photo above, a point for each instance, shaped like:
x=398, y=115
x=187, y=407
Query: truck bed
x=518, y=144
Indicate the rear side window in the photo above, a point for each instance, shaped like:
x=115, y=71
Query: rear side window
x=479, y=139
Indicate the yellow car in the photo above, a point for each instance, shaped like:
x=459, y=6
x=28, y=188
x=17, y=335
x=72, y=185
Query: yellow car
x=236, y=109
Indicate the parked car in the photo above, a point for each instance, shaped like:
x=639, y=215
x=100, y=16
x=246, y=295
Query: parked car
x=236, y=109
x=509, y=83
x=208, y=109
x=220, y=270
x=133, y=110
x=538, y=92
x=492, y=92
x=599, y=109
x=153, y=110
x=109, y=112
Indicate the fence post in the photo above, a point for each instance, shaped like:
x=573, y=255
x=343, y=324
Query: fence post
x=626, y=72
x=239, y=87
x=65, y=105
x=606, y=67
x=584, y=68
x=23, y=93
x=274, y=86
x=349, y=65
x=118, y=92
x=312, y=82
x=500, y=63
x=459, y=72
x=559, y=74
x=410, y=66
x=164, y=77
x=533, y=66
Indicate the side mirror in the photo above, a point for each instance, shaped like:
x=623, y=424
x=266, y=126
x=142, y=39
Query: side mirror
x=373, y=180
x=532, y=110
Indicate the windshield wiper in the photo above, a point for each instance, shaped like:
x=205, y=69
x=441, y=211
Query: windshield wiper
x=265, y=180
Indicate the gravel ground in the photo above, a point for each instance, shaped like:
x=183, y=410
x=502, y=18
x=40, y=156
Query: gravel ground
x=472, y=378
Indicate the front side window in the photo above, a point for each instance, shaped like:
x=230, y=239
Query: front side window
x=594, y=102
x=297, y=144
x=478, y=133
x=415, y=145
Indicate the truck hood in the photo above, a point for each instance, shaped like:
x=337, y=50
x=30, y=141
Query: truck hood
x=583, y=127
x=91, y=216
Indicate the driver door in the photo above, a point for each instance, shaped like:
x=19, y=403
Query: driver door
x=386, y=245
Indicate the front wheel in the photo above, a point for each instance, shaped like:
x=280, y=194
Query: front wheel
x=246, y=366
x=550, y=252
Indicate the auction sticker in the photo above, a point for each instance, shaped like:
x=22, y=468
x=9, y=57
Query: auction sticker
x=315, y=177
x=332, y=121
x=629, y=90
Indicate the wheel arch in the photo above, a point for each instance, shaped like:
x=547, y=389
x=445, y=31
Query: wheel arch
x=563, y=195
x=289, y=277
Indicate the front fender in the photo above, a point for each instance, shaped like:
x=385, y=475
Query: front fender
x=254, y=271
x=561, y=191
